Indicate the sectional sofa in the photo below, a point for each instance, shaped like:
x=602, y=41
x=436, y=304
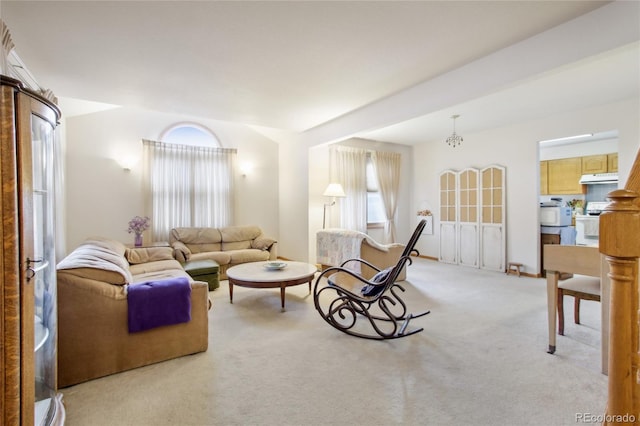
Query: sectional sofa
x=228, y=246
x=94, y=337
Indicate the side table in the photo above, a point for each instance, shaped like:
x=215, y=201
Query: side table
x=147, y=245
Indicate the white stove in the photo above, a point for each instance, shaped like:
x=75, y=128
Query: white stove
x=588, y=225
x=594, y=208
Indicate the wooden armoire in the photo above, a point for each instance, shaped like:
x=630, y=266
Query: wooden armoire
x=27, y=258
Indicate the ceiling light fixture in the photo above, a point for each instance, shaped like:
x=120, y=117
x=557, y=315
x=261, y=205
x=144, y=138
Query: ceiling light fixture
x=454, y=139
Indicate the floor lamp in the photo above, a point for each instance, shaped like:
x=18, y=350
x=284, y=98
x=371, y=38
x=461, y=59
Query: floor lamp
x=333, y=190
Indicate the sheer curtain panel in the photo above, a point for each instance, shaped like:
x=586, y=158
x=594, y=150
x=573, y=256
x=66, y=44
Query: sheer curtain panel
x=187, y=186
x=387, y=166
x=350, y=167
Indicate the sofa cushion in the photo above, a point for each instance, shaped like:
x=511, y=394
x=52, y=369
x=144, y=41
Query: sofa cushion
x=98, y=259
x=148, y=254
x=198, y=240
x=236, y=245
x=203, y=248
x=99, y=274
x=160, y=265
x=160, y=275
x=222, y=257
x=248, y=255
x=195, y=235
x=239, y=233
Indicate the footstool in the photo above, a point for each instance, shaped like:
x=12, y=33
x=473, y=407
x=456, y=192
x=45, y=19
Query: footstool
x=204, y=270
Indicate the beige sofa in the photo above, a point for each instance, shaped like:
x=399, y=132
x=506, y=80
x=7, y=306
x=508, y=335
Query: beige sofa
x=93, y=326
x=334, y=246
x=228, y=246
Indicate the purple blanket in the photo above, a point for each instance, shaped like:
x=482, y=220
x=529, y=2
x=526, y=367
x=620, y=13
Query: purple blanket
x=157, y=303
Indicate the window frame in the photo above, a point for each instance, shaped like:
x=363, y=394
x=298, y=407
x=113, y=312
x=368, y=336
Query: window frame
x=370, y=168
x=212, y=141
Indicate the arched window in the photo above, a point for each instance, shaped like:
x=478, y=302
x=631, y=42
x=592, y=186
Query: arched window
x=189, y=180
x=190, y=134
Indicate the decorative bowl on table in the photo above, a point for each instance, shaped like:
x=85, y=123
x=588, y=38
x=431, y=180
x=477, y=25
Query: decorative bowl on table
x=275, y=265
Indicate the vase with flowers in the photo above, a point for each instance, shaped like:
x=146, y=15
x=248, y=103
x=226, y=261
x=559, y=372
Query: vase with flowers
x=576, y=205
x=137, y=226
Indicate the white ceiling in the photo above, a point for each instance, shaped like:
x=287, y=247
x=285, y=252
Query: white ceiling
x=306, y=66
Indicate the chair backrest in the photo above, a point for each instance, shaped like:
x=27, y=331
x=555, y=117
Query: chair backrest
x=410, y=247
x=405, y=257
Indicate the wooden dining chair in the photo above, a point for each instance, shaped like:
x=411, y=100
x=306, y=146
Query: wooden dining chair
x=581, y=287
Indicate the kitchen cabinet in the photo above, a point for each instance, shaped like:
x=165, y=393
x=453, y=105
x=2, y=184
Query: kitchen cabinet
x=27, y=258
x=544, y=180
x=612, y=163
x=594, y=164
x=561, y=176
x=564, y=176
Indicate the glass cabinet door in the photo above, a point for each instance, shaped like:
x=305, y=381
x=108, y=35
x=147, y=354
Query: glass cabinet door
x=41, y=269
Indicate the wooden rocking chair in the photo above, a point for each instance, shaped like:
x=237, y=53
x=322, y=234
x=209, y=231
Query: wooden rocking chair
x=348, y=297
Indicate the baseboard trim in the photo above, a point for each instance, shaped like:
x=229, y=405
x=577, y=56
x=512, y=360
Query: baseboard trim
x=427, y=257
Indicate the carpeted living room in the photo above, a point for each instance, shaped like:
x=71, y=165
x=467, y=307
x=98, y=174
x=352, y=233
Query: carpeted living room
x=481, y=360
x=253, y=146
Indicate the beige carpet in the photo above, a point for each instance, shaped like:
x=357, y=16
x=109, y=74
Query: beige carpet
x=481, y=360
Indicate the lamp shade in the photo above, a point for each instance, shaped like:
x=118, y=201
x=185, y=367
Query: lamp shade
x=334, y=190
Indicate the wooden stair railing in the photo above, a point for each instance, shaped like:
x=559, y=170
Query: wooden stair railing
x=620, y=243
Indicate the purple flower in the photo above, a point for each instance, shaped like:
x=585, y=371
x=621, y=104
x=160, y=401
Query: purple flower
x=139, y=224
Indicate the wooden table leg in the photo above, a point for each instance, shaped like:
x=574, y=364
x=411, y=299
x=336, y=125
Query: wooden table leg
x=230, y=291
x=282, y=287
x=552, y=306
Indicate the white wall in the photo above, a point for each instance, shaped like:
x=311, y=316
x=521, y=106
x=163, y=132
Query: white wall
x=318, y=180
x=516, y=148
x=101, y=197
x=293, y=239
x=604, y=146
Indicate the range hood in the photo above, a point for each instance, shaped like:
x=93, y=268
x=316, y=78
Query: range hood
x=599, y=178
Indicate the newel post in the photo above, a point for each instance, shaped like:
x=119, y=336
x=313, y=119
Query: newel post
x=620, y=243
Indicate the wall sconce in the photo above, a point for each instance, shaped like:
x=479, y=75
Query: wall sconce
x=245, y=169
x=333, y=190
x=127, y=162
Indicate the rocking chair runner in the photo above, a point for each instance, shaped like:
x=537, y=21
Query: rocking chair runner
x=348, y=297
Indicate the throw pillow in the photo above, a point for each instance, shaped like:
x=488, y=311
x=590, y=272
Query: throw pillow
x=371, y=290
x=262, y=243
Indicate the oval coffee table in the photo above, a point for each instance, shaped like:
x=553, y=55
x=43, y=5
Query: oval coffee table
x=256, y=275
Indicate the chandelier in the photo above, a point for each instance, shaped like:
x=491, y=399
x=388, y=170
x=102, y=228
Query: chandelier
x=454, y=139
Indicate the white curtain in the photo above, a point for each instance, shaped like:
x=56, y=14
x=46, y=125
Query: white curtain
x=350, y=169
x=187, y=186
x=387, y=167
x=5, y=48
